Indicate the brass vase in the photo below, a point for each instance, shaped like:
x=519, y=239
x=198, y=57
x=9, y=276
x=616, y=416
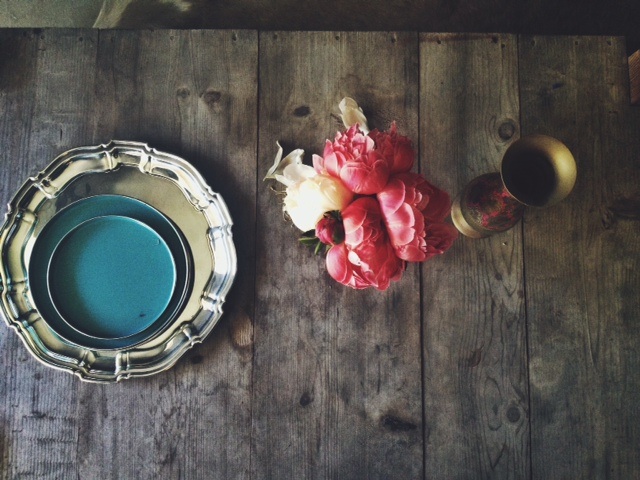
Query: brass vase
x=536, y=171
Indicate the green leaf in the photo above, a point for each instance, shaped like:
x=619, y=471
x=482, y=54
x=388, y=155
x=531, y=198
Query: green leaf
x=310, y=240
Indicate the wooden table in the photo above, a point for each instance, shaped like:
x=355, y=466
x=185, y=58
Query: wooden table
x=516, y=356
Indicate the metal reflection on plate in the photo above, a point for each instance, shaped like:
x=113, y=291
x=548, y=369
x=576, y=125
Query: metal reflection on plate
x=167, y=183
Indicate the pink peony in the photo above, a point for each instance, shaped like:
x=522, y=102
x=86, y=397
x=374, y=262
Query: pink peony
x=366, y=258
x=410, y=207
x=353, y=158
x=395, y=148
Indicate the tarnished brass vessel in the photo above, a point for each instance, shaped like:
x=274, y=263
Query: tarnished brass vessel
x=536, y=171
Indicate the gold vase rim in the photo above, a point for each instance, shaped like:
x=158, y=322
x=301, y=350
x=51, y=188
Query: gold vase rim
x=560, y=159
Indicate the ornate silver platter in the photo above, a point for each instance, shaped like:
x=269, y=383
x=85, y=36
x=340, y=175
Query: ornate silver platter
x=165, y=183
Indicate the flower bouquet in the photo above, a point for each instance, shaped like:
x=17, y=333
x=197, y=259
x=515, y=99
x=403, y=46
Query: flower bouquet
x=362, y=202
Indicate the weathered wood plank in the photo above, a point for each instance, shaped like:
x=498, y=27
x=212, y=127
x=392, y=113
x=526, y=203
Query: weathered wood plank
x=337, y=388
x=475, y=365
x=191, y=93
x=634, y=77
x=46, y=93
x=582, y=263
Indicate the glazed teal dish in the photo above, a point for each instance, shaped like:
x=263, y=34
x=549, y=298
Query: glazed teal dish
x=111, y=277
x=72, y=315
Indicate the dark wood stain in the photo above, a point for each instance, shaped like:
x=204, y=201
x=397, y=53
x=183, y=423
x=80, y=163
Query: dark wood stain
x=302, y=111
x=306, y=399
x=396, y=424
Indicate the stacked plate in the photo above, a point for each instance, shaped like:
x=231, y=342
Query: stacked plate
x=114, y=261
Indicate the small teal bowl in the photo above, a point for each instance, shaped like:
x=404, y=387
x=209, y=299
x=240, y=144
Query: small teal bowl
x=109, y=272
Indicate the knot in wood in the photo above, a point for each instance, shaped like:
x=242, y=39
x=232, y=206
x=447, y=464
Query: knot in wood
x=183, y=93
x=306, y=399
x=302, y=111
x=506, y=130
x=513, y=414
x=396, y=424
x=211, y=97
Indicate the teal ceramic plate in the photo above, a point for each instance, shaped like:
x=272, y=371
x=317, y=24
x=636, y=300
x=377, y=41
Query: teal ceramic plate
x=59, y=199
x=80, y=313
x=111, y=277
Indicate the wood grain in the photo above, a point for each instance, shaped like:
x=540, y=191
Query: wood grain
x=193, y=94
x=40, y=118
x=634, y=77
x=475, y=370
x=510, y=357
x=194, y=419
x=582, y=263
x=336, y=371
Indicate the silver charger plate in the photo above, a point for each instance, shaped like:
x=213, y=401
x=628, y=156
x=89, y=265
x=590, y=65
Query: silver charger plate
x=166, y=182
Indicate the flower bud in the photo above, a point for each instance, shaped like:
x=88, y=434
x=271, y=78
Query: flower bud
x=330, y=230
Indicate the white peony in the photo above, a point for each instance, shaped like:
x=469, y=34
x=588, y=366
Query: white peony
x=308, y=200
